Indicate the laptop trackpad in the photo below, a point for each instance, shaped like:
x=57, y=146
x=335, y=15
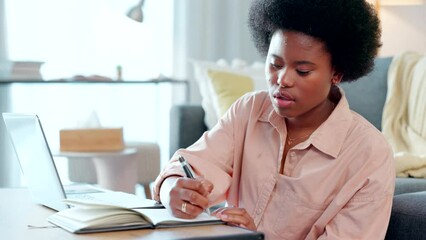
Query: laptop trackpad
x=80, y=189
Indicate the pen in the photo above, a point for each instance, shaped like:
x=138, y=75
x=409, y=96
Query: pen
x=186, y=167
x=189, y=172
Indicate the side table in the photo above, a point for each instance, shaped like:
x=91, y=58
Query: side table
x=117, y=171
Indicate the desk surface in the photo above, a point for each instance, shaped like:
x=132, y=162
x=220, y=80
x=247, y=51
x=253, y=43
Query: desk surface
x=17, y=212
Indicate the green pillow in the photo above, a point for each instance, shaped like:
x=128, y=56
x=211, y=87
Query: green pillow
x=228, y=87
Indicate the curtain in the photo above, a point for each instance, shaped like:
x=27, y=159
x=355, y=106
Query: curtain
x=210, y=30
x=9, y=170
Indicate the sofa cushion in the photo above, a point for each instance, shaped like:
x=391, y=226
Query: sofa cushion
x=408, y=217
x=367, y=95
x=254, y=71
x=227, y=88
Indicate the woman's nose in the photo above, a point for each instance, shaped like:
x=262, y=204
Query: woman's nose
x=284, y=79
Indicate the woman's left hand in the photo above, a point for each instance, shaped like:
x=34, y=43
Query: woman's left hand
x=235, y=216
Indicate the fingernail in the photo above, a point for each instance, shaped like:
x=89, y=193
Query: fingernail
x=224, y=216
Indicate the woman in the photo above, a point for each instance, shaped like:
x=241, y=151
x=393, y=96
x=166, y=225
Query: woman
x=295, y=162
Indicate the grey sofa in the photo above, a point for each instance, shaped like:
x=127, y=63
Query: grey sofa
x=367, y=97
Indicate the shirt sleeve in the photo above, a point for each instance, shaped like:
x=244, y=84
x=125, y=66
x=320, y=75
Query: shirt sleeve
x=213, y=156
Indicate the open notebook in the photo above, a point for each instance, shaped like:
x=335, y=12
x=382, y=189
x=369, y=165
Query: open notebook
x=89, y=216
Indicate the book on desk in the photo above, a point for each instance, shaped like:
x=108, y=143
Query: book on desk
x=88, y=217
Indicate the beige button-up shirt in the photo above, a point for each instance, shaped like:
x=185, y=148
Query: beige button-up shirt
x=338, y=184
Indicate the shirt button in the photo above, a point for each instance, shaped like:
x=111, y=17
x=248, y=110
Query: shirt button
x=292, y=154
x=258, y=211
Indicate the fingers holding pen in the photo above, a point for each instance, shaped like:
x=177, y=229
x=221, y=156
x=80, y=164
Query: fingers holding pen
x=207, y=185
x=189, y=197
x=199, y=185
x=189, y=172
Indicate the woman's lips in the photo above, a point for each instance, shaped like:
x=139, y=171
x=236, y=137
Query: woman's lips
x=283, y=99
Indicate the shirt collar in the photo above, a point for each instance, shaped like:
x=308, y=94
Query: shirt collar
x=330, y=135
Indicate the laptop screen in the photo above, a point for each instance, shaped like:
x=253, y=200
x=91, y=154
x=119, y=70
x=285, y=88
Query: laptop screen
x=35, y=159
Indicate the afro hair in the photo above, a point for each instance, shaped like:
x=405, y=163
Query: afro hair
x=350, y=29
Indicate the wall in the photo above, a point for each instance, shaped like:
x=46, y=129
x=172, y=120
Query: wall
x=4, y=63
x=403, y=29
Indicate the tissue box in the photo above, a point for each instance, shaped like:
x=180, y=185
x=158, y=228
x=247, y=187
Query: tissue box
x=91, y=140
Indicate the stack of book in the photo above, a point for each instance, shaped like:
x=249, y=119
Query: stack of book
x=26, y=70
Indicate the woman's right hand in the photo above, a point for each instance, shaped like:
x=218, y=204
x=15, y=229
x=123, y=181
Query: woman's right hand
x=185, y=197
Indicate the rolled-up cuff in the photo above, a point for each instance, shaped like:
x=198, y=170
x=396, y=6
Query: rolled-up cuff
x=173, y=169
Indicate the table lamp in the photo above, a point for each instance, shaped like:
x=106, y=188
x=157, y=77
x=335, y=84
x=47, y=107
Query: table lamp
x=136, y=12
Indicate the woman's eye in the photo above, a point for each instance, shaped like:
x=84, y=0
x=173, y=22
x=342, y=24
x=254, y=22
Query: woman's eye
x=303, y=72
x=276, y=66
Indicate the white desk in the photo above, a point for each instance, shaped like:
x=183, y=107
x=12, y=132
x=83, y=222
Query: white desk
x=116, y=170
x=17, y=212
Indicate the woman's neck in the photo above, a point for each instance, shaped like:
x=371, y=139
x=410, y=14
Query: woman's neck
x=311, y=120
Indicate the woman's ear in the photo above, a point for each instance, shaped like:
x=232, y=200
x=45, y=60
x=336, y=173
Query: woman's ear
x=336, y=78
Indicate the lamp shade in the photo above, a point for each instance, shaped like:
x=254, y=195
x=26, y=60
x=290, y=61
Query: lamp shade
x=136, y=13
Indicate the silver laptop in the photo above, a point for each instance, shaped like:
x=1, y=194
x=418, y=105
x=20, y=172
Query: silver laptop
x=38, y=167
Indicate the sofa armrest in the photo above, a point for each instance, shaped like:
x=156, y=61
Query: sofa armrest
x=186, y=126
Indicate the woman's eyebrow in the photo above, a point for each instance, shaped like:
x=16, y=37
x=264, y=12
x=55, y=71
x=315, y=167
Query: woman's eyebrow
x=276, y=56
x=304, y=63
x=301, y=62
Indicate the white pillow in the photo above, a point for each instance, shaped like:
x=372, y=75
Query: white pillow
x=208, y=95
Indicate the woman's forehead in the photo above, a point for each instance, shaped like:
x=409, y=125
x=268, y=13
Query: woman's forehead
x=288, y=40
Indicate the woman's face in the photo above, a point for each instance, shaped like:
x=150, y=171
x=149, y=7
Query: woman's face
x=299, y=73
